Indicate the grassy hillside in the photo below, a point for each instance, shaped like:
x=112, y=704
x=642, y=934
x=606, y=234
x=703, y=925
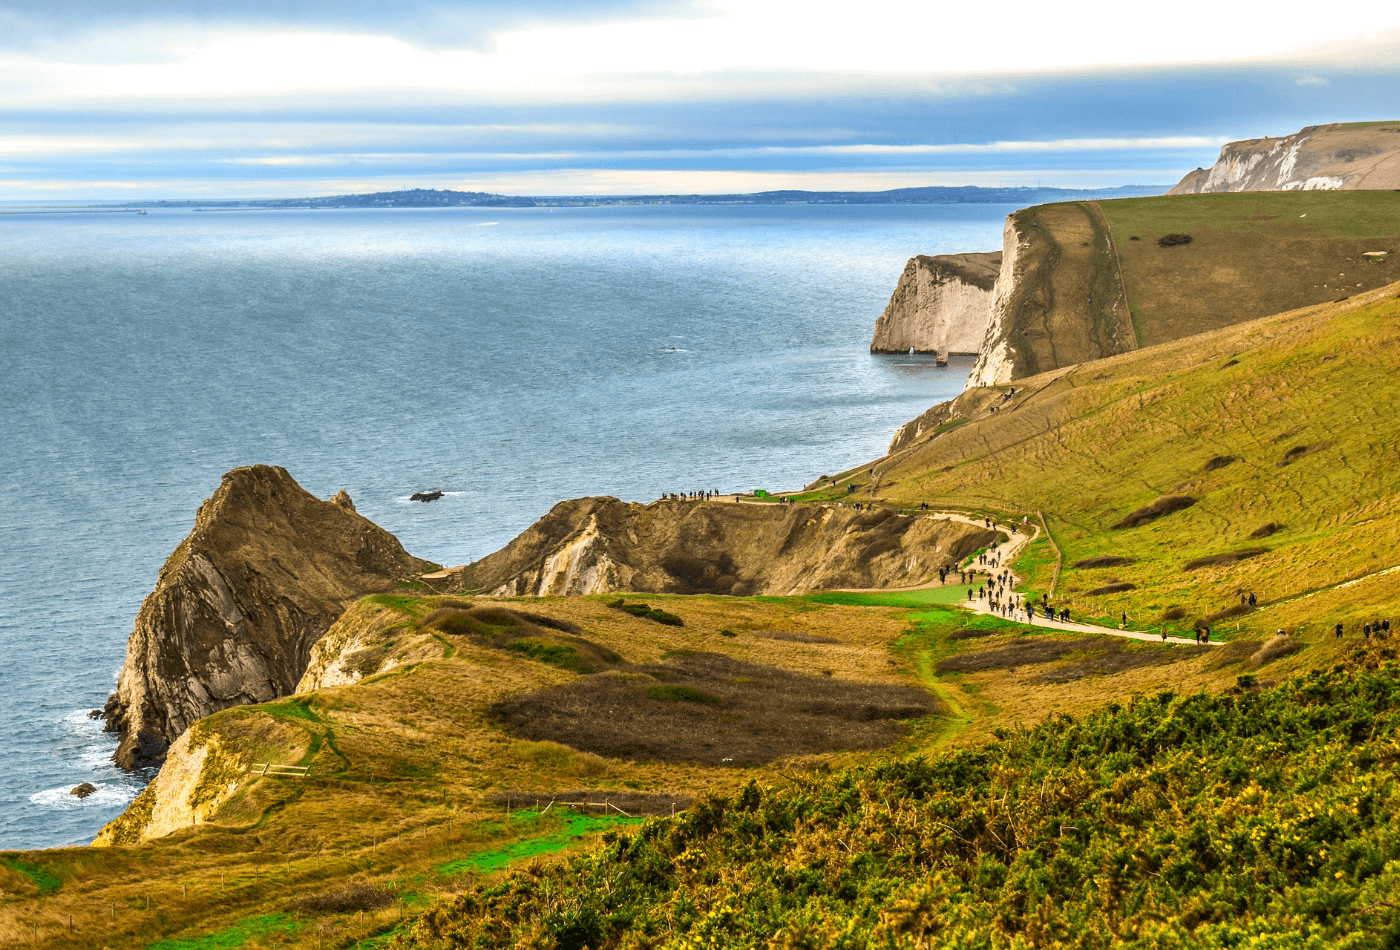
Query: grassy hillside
x=1243, y=819
x=1281, y=432
x=425, y=780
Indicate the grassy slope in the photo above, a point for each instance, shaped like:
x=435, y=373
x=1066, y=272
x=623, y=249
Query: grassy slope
x=1251, y=254
x=405, y=764
x=1303, y=401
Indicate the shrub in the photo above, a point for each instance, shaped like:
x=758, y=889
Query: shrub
x=1173, y=240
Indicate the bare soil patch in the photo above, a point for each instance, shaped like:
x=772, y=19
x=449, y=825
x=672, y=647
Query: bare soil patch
x=533, y=635
x=1229, y=613
x=1160, y=508
x=1119, y=588
x=1104, y=560
x=1118, y=657
x=1229, y=557
x=1025, y=652
x=751, y=713
x=1276, y=647
x=786, y=637
x=350, y=898
x=969, y=633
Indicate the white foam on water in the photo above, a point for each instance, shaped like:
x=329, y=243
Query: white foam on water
x=108, y=795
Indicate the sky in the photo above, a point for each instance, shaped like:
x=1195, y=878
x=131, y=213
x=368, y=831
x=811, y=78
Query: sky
x=136, y=99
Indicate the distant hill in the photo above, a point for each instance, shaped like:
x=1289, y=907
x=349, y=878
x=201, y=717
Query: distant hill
x=435, y=198
x=1347, y=156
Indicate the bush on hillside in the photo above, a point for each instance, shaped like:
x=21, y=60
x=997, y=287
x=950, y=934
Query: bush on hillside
x=1173, y=240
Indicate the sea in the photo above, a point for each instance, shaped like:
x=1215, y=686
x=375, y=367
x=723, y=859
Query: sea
x=510, y=357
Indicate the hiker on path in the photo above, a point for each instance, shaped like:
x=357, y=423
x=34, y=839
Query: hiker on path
x=1339, y=631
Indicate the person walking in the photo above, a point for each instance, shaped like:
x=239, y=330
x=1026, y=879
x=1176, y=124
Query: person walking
x=1339, y=631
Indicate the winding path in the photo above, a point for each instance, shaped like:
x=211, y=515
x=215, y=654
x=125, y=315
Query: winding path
x=1005, y=553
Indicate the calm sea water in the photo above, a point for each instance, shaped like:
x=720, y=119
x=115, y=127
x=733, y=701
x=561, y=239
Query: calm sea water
x=511, y=357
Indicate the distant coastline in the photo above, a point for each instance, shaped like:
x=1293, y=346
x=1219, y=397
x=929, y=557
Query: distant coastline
x=434, y=198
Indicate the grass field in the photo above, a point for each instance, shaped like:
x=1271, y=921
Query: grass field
x=1252, y=254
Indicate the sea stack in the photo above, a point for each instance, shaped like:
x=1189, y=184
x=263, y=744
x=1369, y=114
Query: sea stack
x=239, y=604
x=941, y=305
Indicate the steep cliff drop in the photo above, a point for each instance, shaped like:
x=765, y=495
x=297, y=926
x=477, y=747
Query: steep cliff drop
x=239, y=604
x=1341, y=156
x=940, y=305
x=599, y=545
x=1059, y=298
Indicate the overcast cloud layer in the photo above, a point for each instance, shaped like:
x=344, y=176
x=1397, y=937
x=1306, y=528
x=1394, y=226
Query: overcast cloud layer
x=159, y=98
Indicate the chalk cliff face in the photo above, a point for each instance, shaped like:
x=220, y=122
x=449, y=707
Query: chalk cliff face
x=599, y=545
x=239, y=604
x=1320, y=157
x=940, y=305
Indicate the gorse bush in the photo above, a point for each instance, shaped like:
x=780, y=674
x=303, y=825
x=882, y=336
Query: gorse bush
x=647, y=612
x=1247, y=819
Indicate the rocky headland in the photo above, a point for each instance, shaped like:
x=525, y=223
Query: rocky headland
x=238, y=605
x=603, y=545
x=941, y=305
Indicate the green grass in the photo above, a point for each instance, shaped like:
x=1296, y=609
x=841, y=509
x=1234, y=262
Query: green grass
x=575, y=827
x=256, y=928
x=43, y=879
x=906, y=598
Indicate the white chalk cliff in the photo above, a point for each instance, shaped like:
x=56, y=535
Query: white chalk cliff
x=994, y=364
x=1359, y=156
x=940, y=305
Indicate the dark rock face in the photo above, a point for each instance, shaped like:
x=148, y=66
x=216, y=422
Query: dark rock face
x=265, y=572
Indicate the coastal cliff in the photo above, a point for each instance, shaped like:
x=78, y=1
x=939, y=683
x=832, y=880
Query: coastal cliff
x=941, y=305
x=601, y=545
x=238, y=605
x=1342, y=156
x=1059, y=298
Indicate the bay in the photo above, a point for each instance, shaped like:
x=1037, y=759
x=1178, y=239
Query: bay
x=512, y=357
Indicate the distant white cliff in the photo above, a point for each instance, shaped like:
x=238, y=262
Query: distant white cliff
x=1345, y=156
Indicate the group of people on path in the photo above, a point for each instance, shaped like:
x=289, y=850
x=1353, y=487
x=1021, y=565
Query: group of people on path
x=690, y=495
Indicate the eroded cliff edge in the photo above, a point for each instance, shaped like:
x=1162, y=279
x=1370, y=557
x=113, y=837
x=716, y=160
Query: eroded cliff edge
x=238, y=605
x=941, y=305
x=601, y=545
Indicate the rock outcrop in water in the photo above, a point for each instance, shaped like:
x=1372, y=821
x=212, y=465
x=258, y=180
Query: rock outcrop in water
x=1343, y=156
x=600, y=545
x=940, y=305
x=239, y=604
